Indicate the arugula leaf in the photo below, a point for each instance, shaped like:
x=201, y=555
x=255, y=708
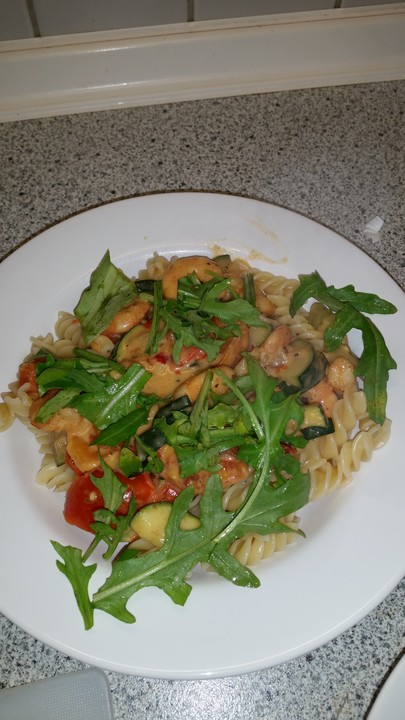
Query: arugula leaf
x=348, y=305
x=190, y=330
x=72, y=378
x=79, y=576
x=110, y=487
x=55, y=403
x=129, y=463
x=230, y=311
x=108, y=526
x=109, y=290
x=115, y=400
x=111, y=528
x=97, y=364
x=123, y=429
x=364, y=302
x=199, y=457
x=375, y=360
x=191, y=317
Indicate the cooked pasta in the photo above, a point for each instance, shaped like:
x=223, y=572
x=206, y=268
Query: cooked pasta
x=17, y=404
x=252, y=548
x=331, y=460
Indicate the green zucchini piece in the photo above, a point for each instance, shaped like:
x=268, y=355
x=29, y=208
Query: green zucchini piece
x=223, y=261
x=257, y=335
x=300, y=355
x=314, y=372
x=151, y=520
x=316, y=423
x=133, y=344
x=59, y=441
x=249, y=288
x=181, y=404
x=153, y=438
x=145, y=286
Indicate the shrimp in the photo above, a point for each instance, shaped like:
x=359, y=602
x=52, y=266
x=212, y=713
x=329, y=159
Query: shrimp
x=232, y=349
x=204, y=267
x=272, y=353
x=171, y=465
x=80, y=432
x=127, y=318
x=340, y=374
x=322, y=394
x=192, y=387
x=265, y=305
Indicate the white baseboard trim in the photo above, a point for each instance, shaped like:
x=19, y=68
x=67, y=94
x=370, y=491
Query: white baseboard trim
x=43, y=77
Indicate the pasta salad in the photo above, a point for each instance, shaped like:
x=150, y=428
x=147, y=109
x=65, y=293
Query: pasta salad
x=189, y=414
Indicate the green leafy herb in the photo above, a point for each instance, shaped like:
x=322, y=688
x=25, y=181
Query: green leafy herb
x=79, y=576
x=193, y=317
x=115, y=400
x=55, y=403
x=74, y=378
x=129, y=463
x=109, y=290
x=123, y=429
x=348, y=306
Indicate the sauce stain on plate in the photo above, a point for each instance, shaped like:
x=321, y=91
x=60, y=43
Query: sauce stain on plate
x=271, y=235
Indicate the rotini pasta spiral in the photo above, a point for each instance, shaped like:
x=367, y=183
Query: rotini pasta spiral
x=279, y=290
x=330, y=460
x=6, y=416
x=68, y=336
x=252, y=548
x=16, y=403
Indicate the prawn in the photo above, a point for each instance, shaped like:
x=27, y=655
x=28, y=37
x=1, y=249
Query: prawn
x=127, y=318
x=202, y=266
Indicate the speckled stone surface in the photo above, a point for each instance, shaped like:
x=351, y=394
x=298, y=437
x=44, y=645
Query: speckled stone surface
x=334, y=154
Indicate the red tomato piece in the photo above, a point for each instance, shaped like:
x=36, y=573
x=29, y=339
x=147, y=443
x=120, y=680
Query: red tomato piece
x=288, y=449
x=28, y=375
x=146, y=490
x=82, y=500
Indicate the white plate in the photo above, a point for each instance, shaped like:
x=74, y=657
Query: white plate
x=353, y=555
x=390, y=702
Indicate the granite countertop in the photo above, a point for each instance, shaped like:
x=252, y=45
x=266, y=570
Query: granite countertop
x=334, y=154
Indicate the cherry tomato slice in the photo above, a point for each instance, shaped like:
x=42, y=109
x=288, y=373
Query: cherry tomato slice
x=83, y=498
x=27, y=375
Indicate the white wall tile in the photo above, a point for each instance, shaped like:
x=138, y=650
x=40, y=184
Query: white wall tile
x=216, y=9
x=61, y=17
x=14, y=20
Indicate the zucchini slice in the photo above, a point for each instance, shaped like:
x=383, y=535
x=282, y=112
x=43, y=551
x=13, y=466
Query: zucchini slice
x=182, y=404
x=316, y=423
x=223, y=261
x=133, y=344
x=150, y=521
x=300, y=355
x=146, y=286
x=314, y=372
x=153, y=438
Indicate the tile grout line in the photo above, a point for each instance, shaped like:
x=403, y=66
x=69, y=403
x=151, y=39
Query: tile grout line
x=190, y=11
x=33, y=18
